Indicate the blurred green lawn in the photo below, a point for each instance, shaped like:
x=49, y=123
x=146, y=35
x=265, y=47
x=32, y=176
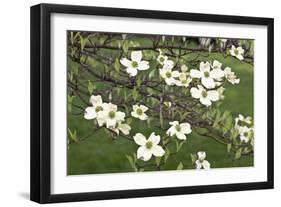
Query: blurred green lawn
x=101, y=154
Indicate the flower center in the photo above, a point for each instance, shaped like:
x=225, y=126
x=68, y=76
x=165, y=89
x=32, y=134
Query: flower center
x=168, y=74
x=111, y=114
x=139, y=111
x=161, y=59
x=178, y=127
x=236, y=52
x=206, y=74
x=148, y=145
x=204, y=94
x=246, y=134
x=184, y=81
x=99, y=108
x=135, y=64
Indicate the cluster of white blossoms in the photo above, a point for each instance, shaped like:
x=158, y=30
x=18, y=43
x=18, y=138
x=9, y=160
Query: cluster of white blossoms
x=211, y=76
x=148, y=147
x=136, y=63
x=201, y=163
x=246, y=131
x=106, y=115
x=173, y=77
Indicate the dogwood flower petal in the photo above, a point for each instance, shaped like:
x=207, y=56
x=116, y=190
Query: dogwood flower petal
x=132, y=71
x=143, y=65
x=198, y=164
x=96, y=100
x=217, y=74
x=175, y=74
x=195, y=73
x=185, y=128
x=126, y=62
x=157, y=151
x=124, y=128
x=213, y=95
x=143, y=108
x=180, y=136
x=155, y=139
x=170, y=81
x=206, y=165
x=205, y=66
x=140, y=139
x=90, y=113
x=136, y=56
x=205, y=101
x=143, y=153
x=208, y=82
x=195, y=92
x=120, y=116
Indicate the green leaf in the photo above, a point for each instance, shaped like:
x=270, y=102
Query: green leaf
x=157, y=161
x=152, y=74
x=193, y=157
x=135, y=93
x=125, y=46
x=161, y=120
x=180, y=166
x=179, y=145
x=238, y=153
x=167, y=154
x=69, y=102
x=131, y=161
x=183, y=115
x=228, y=147
x=117, y=65
x=73, y=135
x=83, y=41
x=110, y=96
x=91, y=87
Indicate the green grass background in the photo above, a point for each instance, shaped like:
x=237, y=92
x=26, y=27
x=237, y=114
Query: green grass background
x=101, y=154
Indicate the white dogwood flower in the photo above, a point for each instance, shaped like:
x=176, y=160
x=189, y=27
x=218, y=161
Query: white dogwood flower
x=230, y=76
x=246, y=133
x=135, y=64
x=180, y=130
x=139, y=112
x=110, y=116
x=123, y=127
x=184, y=80
x=201, y=162
x=91, y=112
x=169, y=75
x=148, y=147
x=216, y=64
x=163, y=60
x=241, y=118
x=207, y=75
x=205, y=97
x=237, y=52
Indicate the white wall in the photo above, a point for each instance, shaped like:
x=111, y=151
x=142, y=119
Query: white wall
x=14, y=102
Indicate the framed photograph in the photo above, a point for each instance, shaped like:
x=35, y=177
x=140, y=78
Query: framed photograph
x=132, y=103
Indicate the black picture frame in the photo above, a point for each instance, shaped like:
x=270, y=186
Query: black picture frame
x=41, y=99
